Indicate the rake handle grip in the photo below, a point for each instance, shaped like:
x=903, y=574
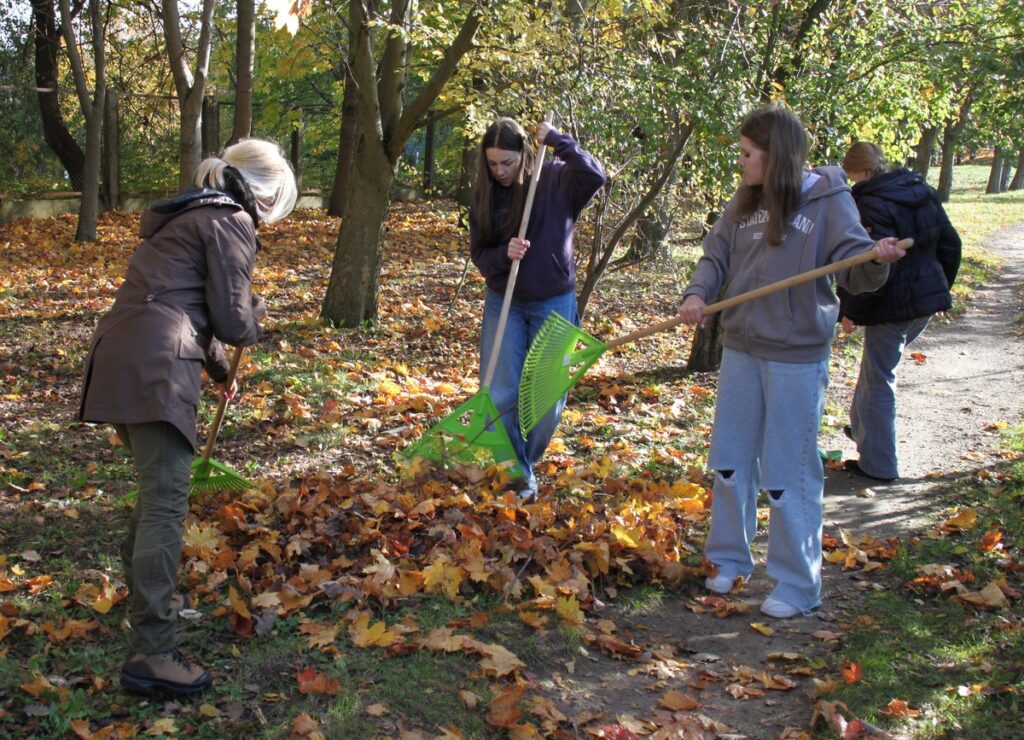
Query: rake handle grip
x=211, y=436
x=764, y=290
x=506, y=304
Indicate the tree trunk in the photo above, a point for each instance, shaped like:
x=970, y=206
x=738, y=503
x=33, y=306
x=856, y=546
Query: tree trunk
x=924, y=149
x=88, y=214
x=649, y=235
x=706, y=348
x=46, y=41
x=190, y=138
x=352, y=290
x=210, y=126
x=296, y=152
x=386, y=123
x=347, y=137
x=1017, y=183
x=950, y=135
x=92, y=109
x=190, y=87
x=1004, y=179
x=995, y=172
x=112, y=151
x=467, y=173
x=245, y=52
x=428, y=158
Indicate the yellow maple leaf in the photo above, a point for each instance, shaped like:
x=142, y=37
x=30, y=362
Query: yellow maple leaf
x=364, y=634
x=163, y=726
x=628, y=537
x=498, y=660
x=569, y=609
x=321, y=635
x=238, y=603
x=963, y=520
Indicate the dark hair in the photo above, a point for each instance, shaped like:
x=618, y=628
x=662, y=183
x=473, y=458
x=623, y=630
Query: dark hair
x=779, y=133
x=506, y=134
x=240, y=192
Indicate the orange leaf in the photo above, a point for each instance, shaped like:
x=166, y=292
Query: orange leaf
x=320, y=635
x=676, y=701
x=503, y=711
x=990, y=540
x=899, y=708
x=850, y=672
x=311, y=682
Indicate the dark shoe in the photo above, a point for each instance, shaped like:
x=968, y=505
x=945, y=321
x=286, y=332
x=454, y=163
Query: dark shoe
x=853, y=466
x=848, y=431
x=170, y=672
x=177, y=602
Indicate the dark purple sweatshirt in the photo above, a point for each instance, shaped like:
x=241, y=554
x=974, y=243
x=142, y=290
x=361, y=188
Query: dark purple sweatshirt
x=567, y=183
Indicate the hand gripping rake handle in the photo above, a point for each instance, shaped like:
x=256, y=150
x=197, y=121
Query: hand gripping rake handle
x=211, y=436
x=764, y=290
x=492, y=360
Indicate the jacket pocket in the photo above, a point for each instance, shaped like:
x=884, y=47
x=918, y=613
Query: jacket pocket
x=189, y=347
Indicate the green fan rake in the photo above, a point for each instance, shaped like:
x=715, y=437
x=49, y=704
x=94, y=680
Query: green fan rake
x=208, y=474
x=561, y=352
x=473, y=434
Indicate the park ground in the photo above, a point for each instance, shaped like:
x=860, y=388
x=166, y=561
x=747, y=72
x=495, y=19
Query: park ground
x=349, y=595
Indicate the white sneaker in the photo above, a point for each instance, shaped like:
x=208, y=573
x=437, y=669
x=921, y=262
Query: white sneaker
x=527, y=493
x=778, y=609
x=719, y=584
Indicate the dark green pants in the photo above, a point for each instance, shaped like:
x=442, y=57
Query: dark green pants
x=151, y=553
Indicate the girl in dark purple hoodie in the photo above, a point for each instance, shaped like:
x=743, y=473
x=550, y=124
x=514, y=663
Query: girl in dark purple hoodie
x=546, y=282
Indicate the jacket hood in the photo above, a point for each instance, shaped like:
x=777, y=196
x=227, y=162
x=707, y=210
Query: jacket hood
x=163, y=211
x=823, y=181
x=900, y=186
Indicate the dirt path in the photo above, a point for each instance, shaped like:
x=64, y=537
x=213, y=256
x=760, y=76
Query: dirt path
x=972, y=376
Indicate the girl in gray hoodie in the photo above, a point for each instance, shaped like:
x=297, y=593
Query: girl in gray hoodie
x=782, y=221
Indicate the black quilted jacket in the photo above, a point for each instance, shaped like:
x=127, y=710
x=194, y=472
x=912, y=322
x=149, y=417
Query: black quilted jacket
x=901, y=204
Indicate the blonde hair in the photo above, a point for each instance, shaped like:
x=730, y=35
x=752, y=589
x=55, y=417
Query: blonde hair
x=864, y=155
x=264, y=173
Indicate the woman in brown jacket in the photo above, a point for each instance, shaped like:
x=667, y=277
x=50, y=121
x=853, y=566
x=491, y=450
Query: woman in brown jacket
x=187, y=289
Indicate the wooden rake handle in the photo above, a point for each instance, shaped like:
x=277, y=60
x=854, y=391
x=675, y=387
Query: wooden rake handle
x=764, y=290
x=499, y=334
x=211, y=435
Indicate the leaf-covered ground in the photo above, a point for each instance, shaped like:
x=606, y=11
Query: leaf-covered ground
x=348, y=594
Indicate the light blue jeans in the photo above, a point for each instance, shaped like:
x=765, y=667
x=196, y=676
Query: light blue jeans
x=766, y=437
x=524, y=321
x=873, y=411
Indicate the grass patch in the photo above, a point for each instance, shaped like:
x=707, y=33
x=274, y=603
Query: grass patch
x=960, y=666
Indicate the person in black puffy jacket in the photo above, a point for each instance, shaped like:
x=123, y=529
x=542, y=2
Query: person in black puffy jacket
x=893, y=203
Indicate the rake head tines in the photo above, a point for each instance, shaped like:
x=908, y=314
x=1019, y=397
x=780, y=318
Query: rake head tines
x=558, y=357
x=210, y=475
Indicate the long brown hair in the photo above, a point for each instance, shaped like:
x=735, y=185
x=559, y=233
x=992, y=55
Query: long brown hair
x=779, y=133
x=506, y=134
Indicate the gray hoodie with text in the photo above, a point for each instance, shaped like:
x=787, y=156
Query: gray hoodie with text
x=795, y=324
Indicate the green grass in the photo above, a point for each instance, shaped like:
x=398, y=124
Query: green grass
x=976, y=216
x=961, y=667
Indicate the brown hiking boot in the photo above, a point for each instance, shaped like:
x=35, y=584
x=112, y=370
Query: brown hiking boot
x=170, y=672
x=177, y=602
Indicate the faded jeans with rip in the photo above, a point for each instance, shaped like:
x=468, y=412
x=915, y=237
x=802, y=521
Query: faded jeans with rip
x=766, y=437
x=151, y=553
x=524, y=321
x=873, y=411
